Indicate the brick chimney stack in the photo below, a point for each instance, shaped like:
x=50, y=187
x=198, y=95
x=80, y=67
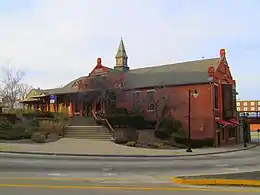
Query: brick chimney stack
x=222, y=53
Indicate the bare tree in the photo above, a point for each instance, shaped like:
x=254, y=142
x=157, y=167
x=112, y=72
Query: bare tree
x=105, y=87
x=10, y=89
x=24, y=89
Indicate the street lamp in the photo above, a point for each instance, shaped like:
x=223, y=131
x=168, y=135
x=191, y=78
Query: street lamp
x=245, y=128
x=195, y=94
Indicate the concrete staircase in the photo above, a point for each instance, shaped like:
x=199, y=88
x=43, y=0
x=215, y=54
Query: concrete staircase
x=86, y=128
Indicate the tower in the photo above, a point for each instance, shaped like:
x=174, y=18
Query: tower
x=121, y=58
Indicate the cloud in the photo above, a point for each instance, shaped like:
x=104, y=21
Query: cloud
x=57, y=41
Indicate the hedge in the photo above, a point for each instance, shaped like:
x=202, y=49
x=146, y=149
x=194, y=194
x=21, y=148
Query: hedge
x=135, y=121
x=10, y=117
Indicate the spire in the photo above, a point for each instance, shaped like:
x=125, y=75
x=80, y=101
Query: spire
x=121, y=58
x=121, y=52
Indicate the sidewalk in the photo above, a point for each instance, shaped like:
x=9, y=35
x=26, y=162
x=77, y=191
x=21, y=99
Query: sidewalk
x=251, y=179
x=82, y=147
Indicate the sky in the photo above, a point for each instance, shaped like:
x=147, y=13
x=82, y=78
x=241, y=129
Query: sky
x=56, y=41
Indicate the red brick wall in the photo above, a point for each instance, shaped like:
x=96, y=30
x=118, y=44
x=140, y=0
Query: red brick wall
x=201, y=107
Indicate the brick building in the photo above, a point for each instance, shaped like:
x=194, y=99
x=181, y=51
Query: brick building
x=248, y=105
x=213, y=109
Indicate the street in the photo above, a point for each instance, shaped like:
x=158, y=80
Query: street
x=23, y=174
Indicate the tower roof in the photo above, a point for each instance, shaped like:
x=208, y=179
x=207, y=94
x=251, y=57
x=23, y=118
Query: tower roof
x=121, y=52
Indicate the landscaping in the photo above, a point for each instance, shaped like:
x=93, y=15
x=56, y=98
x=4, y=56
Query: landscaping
x=40, y=127
x=133, y=130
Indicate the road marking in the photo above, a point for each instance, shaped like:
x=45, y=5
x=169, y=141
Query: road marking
x=130, y=188
x=55, y=174
x=223, y=165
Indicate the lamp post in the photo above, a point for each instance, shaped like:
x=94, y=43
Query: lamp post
x=245, y=128
x=195, y=94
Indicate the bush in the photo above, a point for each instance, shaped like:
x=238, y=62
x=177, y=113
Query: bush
x=38, y=137
x=162, y=134
x=50, y=125
x=117, y=111
x=131, y=144
x=132, y=121
x=196, y=143
x=170, y=124
x=10, y=117
x=13, y=133
x=38, y=114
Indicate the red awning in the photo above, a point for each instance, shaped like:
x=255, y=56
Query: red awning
x=225, y=123
x=234, y=121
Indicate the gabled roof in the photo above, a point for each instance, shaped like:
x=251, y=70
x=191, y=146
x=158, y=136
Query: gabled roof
x=191, y=72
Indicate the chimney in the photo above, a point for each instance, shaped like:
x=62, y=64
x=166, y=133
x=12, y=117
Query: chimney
x=222, y=53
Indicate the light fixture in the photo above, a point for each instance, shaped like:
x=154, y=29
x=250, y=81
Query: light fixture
x=195, y=93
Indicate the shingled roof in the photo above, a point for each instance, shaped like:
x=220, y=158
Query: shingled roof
x=191, y=72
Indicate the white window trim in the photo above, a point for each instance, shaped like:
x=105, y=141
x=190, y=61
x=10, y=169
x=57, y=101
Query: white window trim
x=150, y=90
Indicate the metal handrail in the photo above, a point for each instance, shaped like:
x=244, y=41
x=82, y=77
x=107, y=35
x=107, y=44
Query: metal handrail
x=106, y=121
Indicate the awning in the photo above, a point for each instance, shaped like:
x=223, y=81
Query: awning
x=225, y=123
x=234, y=121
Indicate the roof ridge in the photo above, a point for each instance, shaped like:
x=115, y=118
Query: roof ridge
x=177, y=63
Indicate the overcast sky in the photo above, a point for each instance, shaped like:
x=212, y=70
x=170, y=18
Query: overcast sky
x=56, y=41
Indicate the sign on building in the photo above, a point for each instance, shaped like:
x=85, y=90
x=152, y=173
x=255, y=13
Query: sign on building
x=52, y=99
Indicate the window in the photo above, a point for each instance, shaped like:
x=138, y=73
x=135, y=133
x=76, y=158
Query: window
x=150, y=100
x=258, y=108
x=216, y=96
x=252, y=108
x=245, y=109
x=137, y=101
x=238, y=108
x=223, y=133
x=258, y=103
x=232, y=132
x=238, y=103
x=252, y=103
x=245, y=103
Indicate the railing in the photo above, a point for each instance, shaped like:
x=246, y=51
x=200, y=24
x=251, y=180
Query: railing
x=111, y=129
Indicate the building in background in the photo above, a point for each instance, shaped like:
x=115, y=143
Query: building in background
x=248, y=106
x=250, y=109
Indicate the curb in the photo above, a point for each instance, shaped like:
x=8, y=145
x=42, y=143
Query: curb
x=220, y=182
x=124, y=155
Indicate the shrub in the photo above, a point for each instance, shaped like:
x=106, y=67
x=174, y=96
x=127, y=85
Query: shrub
x=131, y=144
x=38, y=137
x=196, y=143
x=10, y=117
x=13, y=133
x=170, y=124
x=162, y=134
x=50, y=125
x=133, y=121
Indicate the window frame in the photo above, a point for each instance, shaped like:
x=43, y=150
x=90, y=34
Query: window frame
x=151, y=101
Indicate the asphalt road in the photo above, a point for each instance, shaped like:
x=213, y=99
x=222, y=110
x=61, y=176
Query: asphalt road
x=23, y=174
